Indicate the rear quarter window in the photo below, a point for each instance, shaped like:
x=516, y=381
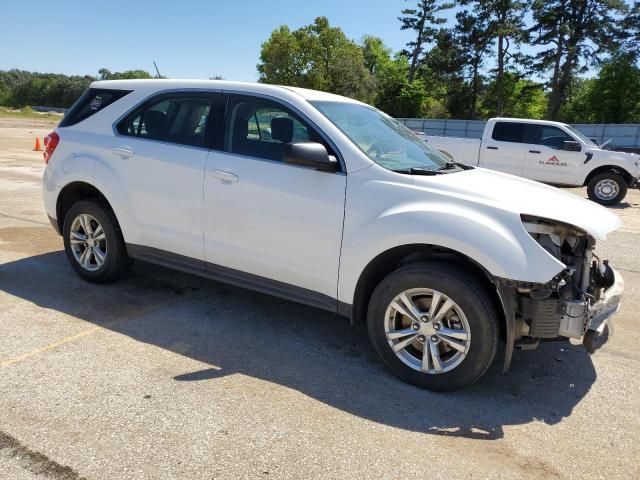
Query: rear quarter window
x=91, y=102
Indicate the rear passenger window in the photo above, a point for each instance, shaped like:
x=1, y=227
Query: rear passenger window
x=91, y=102
x=180, y=118
x=260, y=128
x=509, y=132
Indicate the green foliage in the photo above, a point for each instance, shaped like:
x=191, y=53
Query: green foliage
x=424, y=20
x=612, y=97
x=573, y=35
x=318, y=56
x=104, y=74
x=19, y=88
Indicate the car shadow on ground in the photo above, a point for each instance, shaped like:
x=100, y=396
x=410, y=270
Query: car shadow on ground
x=314, y=352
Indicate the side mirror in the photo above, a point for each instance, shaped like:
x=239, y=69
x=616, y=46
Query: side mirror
x=571, y=146
x=309, y=154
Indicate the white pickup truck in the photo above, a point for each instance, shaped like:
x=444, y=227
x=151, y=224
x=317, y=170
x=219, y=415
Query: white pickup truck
x=549, y=152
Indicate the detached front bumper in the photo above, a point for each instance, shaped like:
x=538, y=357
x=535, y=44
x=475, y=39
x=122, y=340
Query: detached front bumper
x=600, y=326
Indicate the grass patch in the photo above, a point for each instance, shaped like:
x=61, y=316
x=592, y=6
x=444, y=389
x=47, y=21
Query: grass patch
x=28, y=112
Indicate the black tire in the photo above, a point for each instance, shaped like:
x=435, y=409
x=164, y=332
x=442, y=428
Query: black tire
x=593, y=191
x=465, y=291
x=116, y=260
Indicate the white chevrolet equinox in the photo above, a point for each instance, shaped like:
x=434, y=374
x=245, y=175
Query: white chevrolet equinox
x=327, y=201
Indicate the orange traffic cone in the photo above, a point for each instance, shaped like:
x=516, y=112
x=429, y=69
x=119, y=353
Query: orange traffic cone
x=38, y=148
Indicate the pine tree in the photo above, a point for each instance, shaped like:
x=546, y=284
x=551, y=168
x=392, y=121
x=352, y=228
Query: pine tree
x=473, y=40
x=424, y=21
x=573, y=34
x=505, y=24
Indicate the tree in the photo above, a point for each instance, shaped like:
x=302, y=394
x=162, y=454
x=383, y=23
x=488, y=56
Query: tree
x=424, y=21
x=376, y=54
x=412, y=99
x=573, y=35
x=504, y=20
x=105, y=74
x=611, y=97
x=443, y=74
x=475, y=44
x=316, y=56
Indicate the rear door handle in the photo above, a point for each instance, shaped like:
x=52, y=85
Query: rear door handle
x=492, y=148
x=224, y=176
x=123, y=152
x=535, y=151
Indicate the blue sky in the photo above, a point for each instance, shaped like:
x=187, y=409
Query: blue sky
x=188, y=39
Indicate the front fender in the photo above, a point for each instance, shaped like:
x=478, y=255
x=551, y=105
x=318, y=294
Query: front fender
x=494, y=239
x=609, y=159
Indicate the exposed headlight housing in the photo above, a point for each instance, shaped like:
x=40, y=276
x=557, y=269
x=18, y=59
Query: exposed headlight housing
x=552, y=235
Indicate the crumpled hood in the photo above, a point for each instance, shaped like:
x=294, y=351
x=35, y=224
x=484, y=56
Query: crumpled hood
x=522, y=196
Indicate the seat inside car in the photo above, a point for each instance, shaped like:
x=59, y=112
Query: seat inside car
x=282, y=129
x=156, y=125
x=281, y=133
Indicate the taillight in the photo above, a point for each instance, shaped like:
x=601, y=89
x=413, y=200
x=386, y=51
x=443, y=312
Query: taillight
x=50, y=143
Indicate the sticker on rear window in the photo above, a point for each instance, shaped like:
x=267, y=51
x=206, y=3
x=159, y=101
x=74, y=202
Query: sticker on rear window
x=96, y=103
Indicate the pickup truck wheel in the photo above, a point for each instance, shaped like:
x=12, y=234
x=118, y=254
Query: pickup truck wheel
x=433, y=326
x=607, y=188
x=93, y=242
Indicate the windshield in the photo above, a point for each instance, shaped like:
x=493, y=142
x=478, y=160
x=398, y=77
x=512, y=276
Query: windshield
x=383, y=139
x=581, y=137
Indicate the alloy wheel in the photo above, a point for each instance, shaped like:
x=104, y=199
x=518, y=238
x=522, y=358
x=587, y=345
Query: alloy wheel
x=88, y=242
x=427, y=330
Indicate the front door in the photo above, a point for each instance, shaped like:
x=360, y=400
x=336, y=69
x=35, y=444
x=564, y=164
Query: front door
x=546, y=159
x=266, y=218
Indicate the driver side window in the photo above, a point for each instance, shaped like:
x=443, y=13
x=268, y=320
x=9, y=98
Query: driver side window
x=549, y=136
x=260, y=128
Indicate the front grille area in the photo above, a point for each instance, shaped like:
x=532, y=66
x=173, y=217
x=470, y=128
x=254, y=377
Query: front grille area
x=542, y=316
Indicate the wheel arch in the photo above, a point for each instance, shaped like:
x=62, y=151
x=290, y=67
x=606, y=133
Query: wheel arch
x=388, y=261
x=609, y=168
x=74, y=192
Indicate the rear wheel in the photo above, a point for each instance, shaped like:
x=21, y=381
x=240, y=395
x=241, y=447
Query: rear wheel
x=607, y=188
x=93, y=242
x=433, y=325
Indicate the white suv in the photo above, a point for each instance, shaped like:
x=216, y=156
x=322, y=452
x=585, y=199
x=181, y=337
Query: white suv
x=327, y=201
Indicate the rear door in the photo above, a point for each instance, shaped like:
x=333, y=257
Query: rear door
x=160, y=154
x=546, y=160
x=504, y=149
x=269, y=219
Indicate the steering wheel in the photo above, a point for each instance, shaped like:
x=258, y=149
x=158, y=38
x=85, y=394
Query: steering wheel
x=377, y=149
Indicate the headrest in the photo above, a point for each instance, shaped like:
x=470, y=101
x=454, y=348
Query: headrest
x=155, y=123
x=282, y=129
x=240, y=129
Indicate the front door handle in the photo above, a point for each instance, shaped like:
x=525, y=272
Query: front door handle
x=123, y=152
x=492, y=148
x=535, y=151
x=224, y=176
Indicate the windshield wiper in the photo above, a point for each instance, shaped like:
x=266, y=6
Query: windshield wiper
x=419, y=171
x=452, y=165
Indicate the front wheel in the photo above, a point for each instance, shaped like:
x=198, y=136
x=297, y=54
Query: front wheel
x=433, y=325
x=607, y=188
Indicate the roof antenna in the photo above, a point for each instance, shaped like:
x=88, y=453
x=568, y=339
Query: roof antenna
x=157, y=71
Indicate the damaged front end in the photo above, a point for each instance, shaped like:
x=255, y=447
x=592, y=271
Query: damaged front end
x=578, y=303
